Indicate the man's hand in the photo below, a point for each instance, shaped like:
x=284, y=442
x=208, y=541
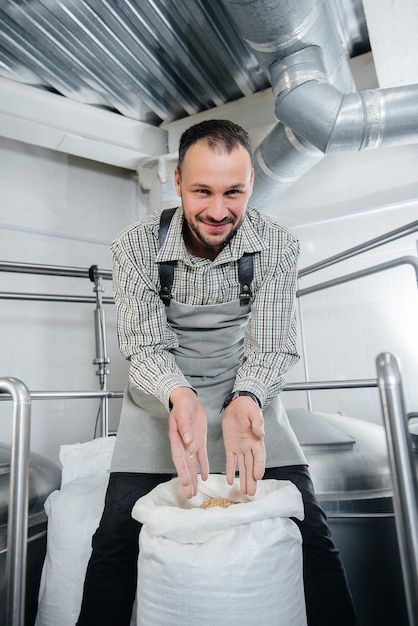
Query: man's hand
x=243, y=434
x=187, y=428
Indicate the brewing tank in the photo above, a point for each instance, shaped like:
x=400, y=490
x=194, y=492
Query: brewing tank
x=349, y=466
x=44, y=477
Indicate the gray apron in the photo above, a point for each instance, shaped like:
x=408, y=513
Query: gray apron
x=211, y=340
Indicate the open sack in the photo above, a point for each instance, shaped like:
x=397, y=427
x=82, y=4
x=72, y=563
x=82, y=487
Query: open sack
x=235, y=566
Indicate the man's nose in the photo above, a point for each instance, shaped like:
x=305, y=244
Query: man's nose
x=217, y=209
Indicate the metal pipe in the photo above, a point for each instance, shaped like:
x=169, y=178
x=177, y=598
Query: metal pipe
x=404, y=478
x=303, y=351
x=359, y=383
x=332, y=384
x=51, y=270
x=337, y=121
x=392, y=235
x=45, y=297
x=102, y=360
x=69, y=395
x=316, y=105
x=17, y=526
x=409, y=260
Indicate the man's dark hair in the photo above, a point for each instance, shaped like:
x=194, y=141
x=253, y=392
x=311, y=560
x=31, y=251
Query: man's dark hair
x=218, y=134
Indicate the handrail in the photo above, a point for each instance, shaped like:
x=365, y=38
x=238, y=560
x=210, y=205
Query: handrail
x=298, y=386
x=104, y=396
x=51, y=270
x=17, y=528
x=69, y=395
x=404, y=260
x=403, y=231
x=331, y=384
x=9, y=295
x=404, y=478
x=95, y=276
x=411, y=260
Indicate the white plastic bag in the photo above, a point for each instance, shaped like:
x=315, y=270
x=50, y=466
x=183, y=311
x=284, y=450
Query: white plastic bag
x=235, y=566
x=73, y=515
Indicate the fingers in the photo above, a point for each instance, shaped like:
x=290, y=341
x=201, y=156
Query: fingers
x=247, y=474
x=259, y=464
x=257, y=426
x=251, y=468
x=204, y=463
x=231, y=464
x=188, y=449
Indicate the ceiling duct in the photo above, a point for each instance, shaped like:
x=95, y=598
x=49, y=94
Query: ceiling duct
x=316, y=105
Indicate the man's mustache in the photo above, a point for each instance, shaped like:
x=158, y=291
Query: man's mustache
x=225, y=220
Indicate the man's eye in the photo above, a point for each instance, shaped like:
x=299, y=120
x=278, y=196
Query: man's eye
x=233, y=192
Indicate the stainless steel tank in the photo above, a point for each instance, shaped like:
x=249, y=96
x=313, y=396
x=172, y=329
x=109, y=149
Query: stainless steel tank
x=44, y=477
x=349, y=465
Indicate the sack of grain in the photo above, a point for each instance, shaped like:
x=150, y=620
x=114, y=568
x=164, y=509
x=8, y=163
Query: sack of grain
x=238, y=565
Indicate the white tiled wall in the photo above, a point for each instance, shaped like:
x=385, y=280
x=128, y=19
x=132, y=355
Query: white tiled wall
x=345, y=327
x=58, y=210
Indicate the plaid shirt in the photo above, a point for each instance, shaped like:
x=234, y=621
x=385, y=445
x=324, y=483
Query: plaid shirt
x=144, y=335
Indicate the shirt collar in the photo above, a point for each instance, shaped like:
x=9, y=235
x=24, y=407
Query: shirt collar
x=246, y=240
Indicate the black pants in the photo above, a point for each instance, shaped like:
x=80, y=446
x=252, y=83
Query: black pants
x=110, y=584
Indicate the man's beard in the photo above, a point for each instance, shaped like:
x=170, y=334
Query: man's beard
x=208, y=242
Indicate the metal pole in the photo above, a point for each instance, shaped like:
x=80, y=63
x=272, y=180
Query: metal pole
x=304, y=356
x=69, y=395
x=48, y=297
x=102, y=359
x=50, y=270
x=17, y=528
x=405, y=483
x=364, y=383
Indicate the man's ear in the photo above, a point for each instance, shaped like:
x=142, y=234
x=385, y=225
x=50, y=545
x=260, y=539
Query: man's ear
x=177, y=181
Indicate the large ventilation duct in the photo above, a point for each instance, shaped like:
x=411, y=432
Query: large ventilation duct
x=317, y=109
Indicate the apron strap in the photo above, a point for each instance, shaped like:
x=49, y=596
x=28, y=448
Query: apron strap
x=167, y=267
x=245, y=277
x=245, y=267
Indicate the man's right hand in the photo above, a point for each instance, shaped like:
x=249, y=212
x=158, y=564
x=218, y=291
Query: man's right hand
x=187, y=428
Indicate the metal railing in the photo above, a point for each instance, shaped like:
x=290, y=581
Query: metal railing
x=17, y=525
x=51, y=270
x=95, y=276
x=392, y=235
x=17, y=529
x=342, y=256
x=368, y=271
x=404, y=475
x=400, y=455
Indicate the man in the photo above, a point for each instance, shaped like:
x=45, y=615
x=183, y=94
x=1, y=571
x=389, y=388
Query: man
x=206, y=315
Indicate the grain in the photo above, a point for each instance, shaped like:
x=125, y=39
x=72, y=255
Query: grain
x=222, y=502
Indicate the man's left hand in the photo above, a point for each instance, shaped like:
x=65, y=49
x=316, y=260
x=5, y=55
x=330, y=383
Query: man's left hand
x=243, y=435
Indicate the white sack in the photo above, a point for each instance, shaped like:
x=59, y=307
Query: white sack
x=239, y=566
x=73, y=515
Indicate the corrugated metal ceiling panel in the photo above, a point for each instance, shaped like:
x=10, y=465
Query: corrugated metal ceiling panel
x=158, y=60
